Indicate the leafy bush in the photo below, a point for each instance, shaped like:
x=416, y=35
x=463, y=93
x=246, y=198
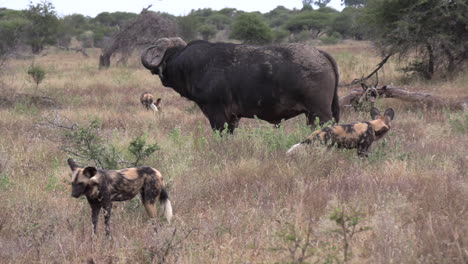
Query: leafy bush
x=279, y=35
x=459, y=122
x=250, y=28
x=332, y=39
x=87, y=145
x=140, y=150
x=207, y=31
x=37, y=74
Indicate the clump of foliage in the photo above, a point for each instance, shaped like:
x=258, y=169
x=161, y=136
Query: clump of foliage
x=250, y=28
x=347, y=223
x=316, y=22
x=12, y=24
x=87, y=145
x=37, y=74
x=43, y=25
x=141, y=150
x=301, y=245
x=435, y=31
x=459, y=122
x=207, y=31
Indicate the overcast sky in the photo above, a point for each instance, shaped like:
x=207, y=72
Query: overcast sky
x=175, y=7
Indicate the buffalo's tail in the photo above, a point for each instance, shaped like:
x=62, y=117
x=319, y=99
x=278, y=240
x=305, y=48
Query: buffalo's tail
x=335, y=107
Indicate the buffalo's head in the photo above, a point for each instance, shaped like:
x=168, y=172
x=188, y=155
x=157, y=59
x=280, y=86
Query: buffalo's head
x=153, y=57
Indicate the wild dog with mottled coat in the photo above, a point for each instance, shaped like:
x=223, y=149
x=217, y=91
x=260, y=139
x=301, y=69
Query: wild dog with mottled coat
x=147, y=100
x=102, y=187
x=358, y=135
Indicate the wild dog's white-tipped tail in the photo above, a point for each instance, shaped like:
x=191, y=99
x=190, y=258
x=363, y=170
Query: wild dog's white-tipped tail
x=154, y=107
x=293, y=148
x=167, y=207
x=165, y=204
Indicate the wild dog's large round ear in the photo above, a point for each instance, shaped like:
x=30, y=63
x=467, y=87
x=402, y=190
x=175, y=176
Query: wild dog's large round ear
x=158, y=102
x=72, y=164
x=374, y=113
x=389, y=113
x=89, y=172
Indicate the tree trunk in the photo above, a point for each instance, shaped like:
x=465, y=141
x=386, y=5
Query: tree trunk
x=104, y=61
x=36, y=48
x=451, y=60
x=430, y=63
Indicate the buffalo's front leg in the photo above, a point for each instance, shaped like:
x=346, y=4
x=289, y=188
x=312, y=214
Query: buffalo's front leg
x=233, y=123
x=217, y=118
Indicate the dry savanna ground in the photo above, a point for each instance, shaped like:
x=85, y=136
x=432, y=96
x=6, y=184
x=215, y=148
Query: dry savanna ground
x=237, y=198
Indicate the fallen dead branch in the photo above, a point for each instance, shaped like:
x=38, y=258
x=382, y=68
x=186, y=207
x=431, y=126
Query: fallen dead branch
x=420, y=99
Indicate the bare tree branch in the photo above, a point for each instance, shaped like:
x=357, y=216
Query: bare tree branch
x=363, y=79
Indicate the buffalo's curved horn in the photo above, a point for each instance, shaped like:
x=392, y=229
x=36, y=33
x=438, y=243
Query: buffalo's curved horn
x=153, y=56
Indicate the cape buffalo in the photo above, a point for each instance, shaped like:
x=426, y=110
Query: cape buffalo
x=229, y=81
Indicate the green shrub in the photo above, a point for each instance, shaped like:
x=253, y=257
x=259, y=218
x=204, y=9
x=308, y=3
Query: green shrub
x=250, y=28
x=140, y=150
x=87, y=145
x=332, y=39
x=37, y=74
x=459, y=122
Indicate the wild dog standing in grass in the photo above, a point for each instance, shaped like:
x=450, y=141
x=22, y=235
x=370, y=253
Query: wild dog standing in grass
x=102, y=187
x=147, y=100
x=358, y=135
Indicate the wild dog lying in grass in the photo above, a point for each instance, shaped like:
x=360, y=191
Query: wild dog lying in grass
x=147, y=100
x=358, y=135
x=102, y=187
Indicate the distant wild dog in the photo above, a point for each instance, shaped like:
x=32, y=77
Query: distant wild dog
x=102, y=187
x=358, y=135
x=147, y=100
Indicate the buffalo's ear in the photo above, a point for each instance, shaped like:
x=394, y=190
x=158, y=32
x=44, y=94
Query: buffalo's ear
x=72, y=164
x=374, y=113
x=364, y=87
x=153, y=56
x=389, y=113
x=89, y=171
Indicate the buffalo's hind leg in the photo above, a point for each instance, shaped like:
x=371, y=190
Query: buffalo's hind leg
x=322, y=118
x=218, y=122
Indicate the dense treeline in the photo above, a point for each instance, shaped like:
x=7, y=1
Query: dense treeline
x=436, y=31
x=40, y=25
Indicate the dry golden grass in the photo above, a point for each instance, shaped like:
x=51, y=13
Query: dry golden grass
x=234, y=196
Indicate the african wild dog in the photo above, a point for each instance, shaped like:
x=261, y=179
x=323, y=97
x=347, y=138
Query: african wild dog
x=147, y=100
x=102, y=187
x=358, y=135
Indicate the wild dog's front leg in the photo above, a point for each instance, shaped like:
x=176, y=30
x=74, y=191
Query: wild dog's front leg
x=96, y=208
x=107, y=214
x=363, y=150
